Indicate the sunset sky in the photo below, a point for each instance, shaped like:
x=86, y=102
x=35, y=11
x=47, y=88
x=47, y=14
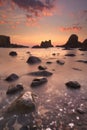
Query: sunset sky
x=31, y=21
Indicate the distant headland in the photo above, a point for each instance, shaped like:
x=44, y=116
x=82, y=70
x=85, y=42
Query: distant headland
x=72, y=42
x=5, y=43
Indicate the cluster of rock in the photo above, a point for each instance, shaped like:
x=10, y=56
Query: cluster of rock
x=74, y=43
x=5, y=42
x=25, y=102
x=44, y=44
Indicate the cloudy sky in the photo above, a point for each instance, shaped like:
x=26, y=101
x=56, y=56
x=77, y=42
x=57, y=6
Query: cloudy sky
x=31, y=21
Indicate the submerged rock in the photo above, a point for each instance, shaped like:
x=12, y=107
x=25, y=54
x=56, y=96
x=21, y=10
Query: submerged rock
x=70, y=55
x=73, y=84
x=12, y=77
x=41, y=73
x=33, y=60
x=13, y=53
x=83, y=61
x=38, y=82
x=13, y=89
x=23, y=104
x=60, y=62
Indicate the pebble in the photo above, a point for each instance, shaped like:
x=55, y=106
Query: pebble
x=71, y=125
x=1, y=118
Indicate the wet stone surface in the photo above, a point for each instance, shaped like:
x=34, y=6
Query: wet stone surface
x=58, y=113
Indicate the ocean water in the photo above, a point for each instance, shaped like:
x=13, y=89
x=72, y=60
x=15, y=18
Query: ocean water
x=54, y=93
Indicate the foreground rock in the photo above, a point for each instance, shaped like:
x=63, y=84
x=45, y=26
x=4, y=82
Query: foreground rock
x=25, y=103
x=73, y=85
x=60, y=62
x=12, y=77
x=13, y=89
x=13, y=53
x=33, y=60
x=41, y=73
x=38, y=82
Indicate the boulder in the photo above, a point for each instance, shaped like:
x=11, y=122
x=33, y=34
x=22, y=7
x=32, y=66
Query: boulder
x=60, y=62
x=12, y=77
x=38, y=82
x=42, y=67
x=33, y=60
x=13, y=53
x=41, y=73
x=13, y=89
x=25, y=103
x=73, y=84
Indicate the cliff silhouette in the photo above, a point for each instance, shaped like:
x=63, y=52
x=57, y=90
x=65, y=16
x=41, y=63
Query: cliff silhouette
x=73, y=42
x=5, y=43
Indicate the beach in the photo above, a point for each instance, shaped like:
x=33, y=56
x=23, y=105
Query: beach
x=56, y=105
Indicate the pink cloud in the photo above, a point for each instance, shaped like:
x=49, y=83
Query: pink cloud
x=2, y=22
x=72, y=28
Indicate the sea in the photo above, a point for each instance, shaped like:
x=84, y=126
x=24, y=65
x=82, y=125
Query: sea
x=56, y=103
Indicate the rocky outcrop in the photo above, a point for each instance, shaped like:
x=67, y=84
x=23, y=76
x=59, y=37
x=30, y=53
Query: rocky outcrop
x=84, y=45
x=33, y=60
x=4, y=41
x=12, y=77
x=13, y=53
x=73, y=85
x=38, y=82
x=72, y=42
x=46, y=44
x=25, y=103
x=13, y=89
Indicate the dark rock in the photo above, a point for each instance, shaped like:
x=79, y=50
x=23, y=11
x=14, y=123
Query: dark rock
x=42, y=67
x=54, y=54
x=60, y=62
x=46, y=44
x=13, y=89
x=80, y=110
x=48, y=62
x=25, y=103
x=13, y=53
x=33, y=60
x=41, y=73
x=70, y=55
x=38, y=82
x=12, y=77
x=83, y=61
x=73, y=85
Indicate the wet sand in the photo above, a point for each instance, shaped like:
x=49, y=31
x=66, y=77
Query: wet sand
x=56, y=106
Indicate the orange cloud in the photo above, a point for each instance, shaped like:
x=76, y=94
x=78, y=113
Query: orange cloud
x=73, y=28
